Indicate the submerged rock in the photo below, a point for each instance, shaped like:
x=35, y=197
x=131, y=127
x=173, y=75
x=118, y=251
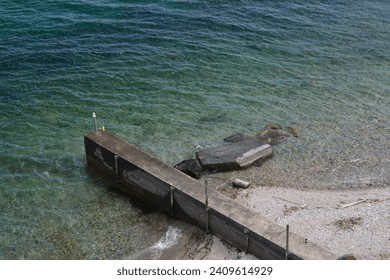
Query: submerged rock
x=274, y=126
x=296, y=131
x=272, y=134
x=235, y=138
x=191, y=167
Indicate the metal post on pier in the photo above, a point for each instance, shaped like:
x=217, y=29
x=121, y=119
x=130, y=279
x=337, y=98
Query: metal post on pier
x=246, y=232
x=172, y=201
x=287, y=240
x=116, y=169
x=207, y=207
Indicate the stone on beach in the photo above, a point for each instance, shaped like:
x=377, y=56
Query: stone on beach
x=240, y=183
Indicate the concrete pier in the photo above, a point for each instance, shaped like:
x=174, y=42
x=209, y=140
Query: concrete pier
x=140, y=174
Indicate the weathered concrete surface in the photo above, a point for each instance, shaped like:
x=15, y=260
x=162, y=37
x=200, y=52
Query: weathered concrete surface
x=251, y=156
x=233, y=156
x=150, y=179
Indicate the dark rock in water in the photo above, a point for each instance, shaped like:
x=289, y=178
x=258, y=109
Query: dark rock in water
x=272, y=134
x=274, y=126
x=191, y=167
x=296, y=131
x=235, y=138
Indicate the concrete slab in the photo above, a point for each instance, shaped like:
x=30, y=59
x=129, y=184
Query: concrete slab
x=233, y=156
x=250, y=157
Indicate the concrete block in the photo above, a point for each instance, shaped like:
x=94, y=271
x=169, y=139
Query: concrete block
x=253, y=155
x=233, y=156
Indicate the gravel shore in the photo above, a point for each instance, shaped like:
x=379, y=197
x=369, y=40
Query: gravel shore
x=353, y=222
x=346, y=221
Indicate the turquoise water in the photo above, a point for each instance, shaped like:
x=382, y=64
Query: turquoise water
x=169, y=76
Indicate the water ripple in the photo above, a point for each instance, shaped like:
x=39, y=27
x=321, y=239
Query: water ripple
x=169, y=76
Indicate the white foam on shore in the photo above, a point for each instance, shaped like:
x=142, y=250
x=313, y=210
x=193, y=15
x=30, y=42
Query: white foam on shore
x=168, y=240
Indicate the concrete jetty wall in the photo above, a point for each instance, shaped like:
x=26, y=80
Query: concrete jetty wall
x=140, y=174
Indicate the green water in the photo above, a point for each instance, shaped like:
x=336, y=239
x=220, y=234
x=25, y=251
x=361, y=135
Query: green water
x=170, y=76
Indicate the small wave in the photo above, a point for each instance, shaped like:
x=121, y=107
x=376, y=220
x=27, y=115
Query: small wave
x=155, y=251
x=168, y=240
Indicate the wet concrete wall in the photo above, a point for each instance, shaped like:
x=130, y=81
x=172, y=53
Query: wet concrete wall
x=153, y=181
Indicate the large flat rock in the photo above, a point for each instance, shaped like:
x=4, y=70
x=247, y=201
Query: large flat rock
x=233, y=156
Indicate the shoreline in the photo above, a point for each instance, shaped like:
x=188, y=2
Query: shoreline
x=353, y=221
x=328, y=205
x=361, y=229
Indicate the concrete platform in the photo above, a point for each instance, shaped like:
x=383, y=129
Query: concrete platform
x=233, y=156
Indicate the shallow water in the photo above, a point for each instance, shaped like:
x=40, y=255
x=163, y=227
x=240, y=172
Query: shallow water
x=169, y=76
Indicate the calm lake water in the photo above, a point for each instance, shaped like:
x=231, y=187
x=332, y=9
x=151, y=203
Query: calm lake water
x=169, y=76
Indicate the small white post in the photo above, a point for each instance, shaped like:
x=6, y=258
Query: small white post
x=94, y=121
